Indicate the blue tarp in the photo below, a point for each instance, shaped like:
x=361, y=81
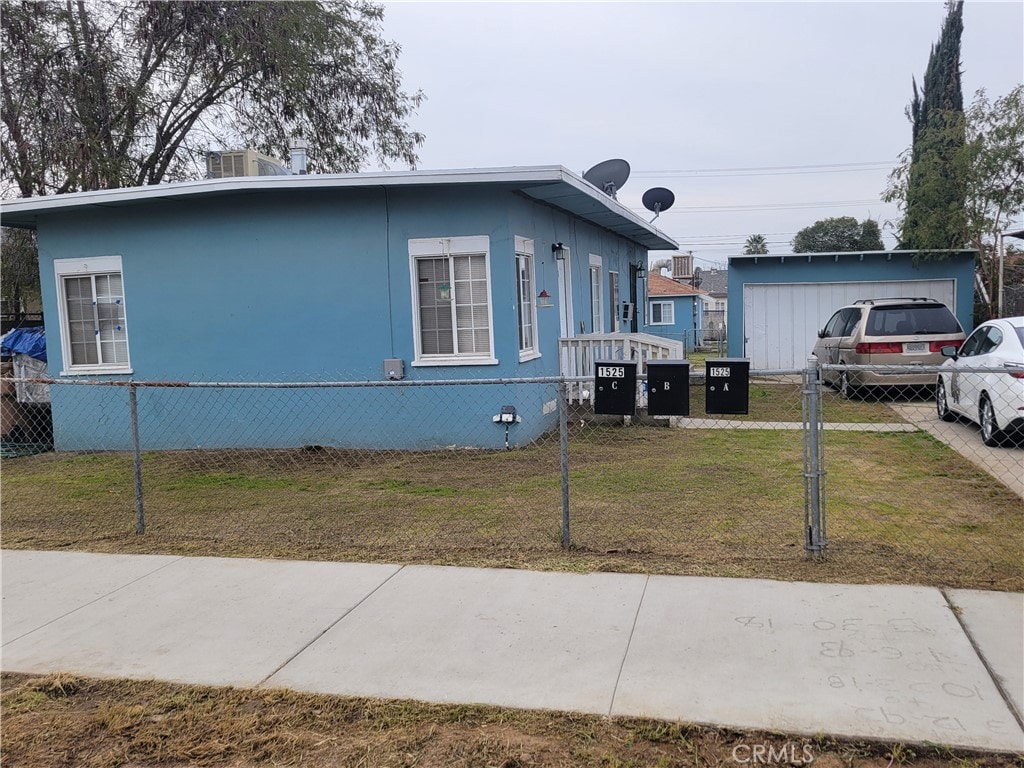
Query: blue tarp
x=25, y=341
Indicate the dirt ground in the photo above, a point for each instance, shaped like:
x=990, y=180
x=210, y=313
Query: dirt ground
x=63, y=721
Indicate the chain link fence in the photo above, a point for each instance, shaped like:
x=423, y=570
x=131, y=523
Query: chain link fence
x=857, y=485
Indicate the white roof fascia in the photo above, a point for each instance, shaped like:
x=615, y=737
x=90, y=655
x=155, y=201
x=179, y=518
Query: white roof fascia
x=526, y=175
x=304, y=181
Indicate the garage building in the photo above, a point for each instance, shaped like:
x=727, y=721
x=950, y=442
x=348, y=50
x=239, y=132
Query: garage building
x=778, y=303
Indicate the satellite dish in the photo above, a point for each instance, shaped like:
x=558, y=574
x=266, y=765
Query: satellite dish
x=608, y=176
x=697, y=280
x=658, y=199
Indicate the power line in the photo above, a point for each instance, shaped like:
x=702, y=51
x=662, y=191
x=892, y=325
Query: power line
x=757, y=174
x=763, y=206
x=741, y=234
x=769, y=169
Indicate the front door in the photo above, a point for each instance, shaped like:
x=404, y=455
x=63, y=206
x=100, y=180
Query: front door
x=565, y=313
x=633, y=277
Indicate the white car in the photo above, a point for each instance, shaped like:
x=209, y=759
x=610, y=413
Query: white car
x=993, y=399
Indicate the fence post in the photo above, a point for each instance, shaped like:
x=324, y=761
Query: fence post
x=133, y=403
x=563, y=443
x=814, y=465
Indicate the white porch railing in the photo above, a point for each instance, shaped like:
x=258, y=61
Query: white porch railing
x=579, y=353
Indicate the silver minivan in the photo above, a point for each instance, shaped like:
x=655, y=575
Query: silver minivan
x=900, y=332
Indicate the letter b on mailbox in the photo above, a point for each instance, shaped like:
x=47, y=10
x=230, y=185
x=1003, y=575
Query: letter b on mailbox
x=668, y=388
x=727, y=386
x=615, y=387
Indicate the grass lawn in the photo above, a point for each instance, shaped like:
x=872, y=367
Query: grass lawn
x=901, y=507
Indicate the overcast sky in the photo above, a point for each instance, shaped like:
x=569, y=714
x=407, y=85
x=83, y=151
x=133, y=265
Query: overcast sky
x=694, y=96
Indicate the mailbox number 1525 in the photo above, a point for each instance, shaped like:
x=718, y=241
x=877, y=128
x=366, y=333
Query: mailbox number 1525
x=611, y=371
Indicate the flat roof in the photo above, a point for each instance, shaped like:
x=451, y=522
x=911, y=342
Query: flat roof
x=553, y=185
x=837, y=254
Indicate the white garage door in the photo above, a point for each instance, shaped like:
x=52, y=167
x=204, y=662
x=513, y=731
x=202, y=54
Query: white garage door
x=781, y=320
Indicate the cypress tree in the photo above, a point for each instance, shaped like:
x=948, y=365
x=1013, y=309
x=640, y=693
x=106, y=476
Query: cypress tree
x=936, y=215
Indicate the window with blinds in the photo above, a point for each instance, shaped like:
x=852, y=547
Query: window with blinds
x=525, y=303
x=662, y=313
x=94, y=325
x=613, y=300
x=452, y=297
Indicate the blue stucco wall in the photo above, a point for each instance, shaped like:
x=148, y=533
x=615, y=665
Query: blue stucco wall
x=310, y=286
x=827, y=268
x=686, y=321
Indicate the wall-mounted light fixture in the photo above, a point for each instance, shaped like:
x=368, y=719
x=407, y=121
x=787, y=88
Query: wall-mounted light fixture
x=559, y=250
x=544, y=299
x=641, y=270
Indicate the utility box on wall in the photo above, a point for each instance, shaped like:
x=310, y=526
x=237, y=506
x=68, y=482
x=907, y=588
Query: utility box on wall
x=727, y=386
x=668, y=388
x=615, y=387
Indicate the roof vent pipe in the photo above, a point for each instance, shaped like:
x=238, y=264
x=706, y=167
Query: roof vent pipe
x=661, y=264
x=297, y=155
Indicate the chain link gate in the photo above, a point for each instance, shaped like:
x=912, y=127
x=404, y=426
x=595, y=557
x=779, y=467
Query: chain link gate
x=814, y=462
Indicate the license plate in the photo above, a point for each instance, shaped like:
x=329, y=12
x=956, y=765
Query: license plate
x=915, y=346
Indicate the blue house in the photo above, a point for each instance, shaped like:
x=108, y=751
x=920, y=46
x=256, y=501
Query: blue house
x=777, y=303
x=675, y=310
x=379, y=277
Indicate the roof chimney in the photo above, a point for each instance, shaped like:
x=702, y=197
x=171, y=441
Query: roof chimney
x=297, y=154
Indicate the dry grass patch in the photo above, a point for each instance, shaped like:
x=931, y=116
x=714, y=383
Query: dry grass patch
x=65, y=721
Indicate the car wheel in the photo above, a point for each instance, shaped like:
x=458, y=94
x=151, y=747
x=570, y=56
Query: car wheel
x=941, y=406
x=846, y=389
x=990, y=434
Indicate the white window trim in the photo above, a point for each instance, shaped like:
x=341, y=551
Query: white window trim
x=432, y=247
x=63, y=268
x=650, y=309
x=524, y=246
x=596, y=313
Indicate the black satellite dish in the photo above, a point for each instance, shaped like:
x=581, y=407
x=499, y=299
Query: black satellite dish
x=608, y=176
x=658, y=199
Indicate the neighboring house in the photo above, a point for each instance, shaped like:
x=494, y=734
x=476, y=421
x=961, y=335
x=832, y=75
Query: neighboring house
x=674, y=310
x=473, y=274
x=715, y=283
x=778, y=303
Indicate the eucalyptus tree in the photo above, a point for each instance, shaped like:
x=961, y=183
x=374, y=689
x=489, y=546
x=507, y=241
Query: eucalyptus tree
x=105, y=94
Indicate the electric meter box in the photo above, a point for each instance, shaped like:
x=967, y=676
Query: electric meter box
x=615, y=387
x=668, y=388
x=727, y=386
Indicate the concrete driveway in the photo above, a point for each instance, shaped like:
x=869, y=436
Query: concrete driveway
x=1004, y=464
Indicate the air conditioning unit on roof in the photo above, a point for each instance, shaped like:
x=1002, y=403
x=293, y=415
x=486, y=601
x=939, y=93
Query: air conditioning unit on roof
x=243, y=162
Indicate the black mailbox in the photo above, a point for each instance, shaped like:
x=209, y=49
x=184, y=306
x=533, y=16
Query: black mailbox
x=615, y=387
x=668, y=388
x=727, y=386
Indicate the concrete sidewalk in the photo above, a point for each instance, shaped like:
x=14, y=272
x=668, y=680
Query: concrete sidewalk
x=901, y=663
